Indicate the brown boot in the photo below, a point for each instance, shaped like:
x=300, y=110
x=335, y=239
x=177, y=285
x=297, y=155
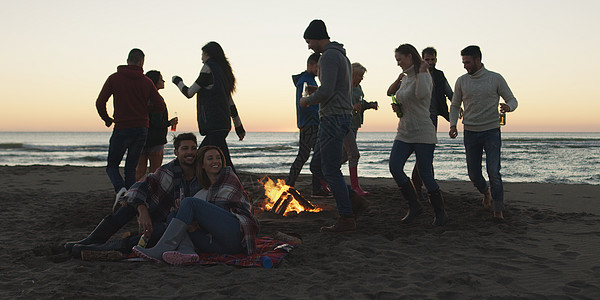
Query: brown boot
x=359, y=204
x=342, y=224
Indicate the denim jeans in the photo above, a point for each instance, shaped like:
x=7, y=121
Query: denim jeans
x=489, y=141
x=327, y=156
x=308, y=139
x=220, y=230
x=217, y=138
x=125, y=213
x=424, y=152
x=130, y=140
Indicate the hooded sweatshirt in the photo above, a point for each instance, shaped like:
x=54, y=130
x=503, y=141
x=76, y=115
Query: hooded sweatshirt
x=308, y=116
x=335, y=93
x=134, y=97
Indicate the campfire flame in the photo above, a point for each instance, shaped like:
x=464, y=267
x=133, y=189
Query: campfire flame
x=279, y=192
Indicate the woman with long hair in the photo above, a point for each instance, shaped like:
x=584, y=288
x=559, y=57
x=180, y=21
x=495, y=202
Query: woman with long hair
x=219, y=217
x=416, y=133
x=159, y=123
x=214, y=88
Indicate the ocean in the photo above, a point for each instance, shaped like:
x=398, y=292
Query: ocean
x=566, y=157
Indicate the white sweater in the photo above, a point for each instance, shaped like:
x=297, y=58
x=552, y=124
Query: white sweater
x=480, y=95
x=414, y=96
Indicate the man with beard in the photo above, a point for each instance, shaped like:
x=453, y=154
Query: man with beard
x=479, y=92
x=151, y=198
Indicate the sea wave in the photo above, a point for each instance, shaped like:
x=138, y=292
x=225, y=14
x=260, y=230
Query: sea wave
x=11, y=145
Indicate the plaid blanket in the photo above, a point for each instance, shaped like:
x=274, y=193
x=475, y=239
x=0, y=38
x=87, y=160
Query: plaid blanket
x=265, y=246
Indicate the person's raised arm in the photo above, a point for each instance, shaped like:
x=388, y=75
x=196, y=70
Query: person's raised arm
x=395, y=85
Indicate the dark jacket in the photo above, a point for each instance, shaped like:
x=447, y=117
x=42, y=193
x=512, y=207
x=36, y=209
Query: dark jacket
x=212, y=104
x=158, y=128
x=441, y=90
x=308, y=116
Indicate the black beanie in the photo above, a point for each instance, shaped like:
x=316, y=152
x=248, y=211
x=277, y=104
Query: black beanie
x=316, y=30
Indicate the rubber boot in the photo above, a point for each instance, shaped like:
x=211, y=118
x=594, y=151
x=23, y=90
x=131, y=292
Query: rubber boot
x=103, y=231
x=122, y=245
x=414, y=207
x=170, y=240
x=437, y=201
x=114, y=245
x=354, y=182
x=184, y=255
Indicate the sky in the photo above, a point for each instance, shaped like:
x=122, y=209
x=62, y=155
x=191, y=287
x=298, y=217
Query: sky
x=56, y=55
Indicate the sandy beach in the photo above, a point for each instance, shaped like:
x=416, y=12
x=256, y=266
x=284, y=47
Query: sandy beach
x=546, y=248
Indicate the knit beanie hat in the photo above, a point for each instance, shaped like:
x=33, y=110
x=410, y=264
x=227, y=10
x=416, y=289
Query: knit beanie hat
x=316, y=30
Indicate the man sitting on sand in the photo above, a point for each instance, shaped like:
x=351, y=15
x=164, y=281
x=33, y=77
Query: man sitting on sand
x=151, y=198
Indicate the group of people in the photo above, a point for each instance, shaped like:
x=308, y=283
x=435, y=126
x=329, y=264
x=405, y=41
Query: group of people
x=420, y=94
x=197, y=201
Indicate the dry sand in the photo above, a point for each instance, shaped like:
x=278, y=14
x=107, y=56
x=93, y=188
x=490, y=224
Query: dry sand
x=546, y=248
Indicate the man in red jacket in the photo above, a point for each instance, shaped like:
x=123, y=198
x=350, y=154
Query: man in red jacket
x=134, y=96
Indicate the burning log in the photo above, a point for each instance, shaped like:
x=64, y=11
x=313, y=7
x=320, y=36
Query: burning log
x=283, y=207
x=278, y=203
x=307, y=205
x=283, y=199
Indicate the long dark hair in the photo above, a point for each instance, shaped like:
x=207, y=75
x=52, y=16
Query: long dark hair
x=200, y=172
x=214, y=51
x=406, y=49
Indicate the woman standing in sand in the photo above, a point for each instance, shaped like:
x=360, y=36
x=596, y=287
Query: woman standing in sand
x=214, y=87
x=416, y=133
x=219, y=216
x=154, y=148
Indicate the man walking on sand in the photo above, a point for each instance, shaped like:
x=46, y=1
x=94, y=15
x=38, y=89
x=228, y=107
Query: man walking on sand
x=438, y=107
x=335, y=109
x=480, y=91
x=134, y=96
x=307, y=119
x=151, y=199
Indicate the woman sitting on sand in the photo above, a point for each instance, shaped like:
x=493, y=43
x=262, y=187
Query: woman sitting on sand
x=223, y=223
x=416, y=133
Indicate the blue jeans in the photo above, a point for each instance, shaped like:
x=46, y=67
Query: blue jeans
x=220, y=230
x=217, y=138
x=125, y=213
x=327, y=156
x=489, y=141
x=131, y=140
x=424, y=160
x=308, y=139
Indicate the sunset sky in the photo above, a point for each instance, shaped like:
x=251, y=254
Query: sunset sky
x=56, y=55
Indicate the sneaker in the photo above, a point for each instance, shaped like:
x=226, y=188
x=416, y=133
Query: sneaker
x=120, y=194
x=321, y=193
x=341, y=225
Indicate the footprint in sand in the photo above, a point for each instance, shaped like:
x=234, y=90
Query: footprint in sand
x=570, y=254
x=561, y=247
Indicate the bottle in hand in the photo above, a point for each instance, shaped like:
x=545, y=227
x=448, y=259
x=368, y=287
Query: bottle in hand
x=399, y=111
